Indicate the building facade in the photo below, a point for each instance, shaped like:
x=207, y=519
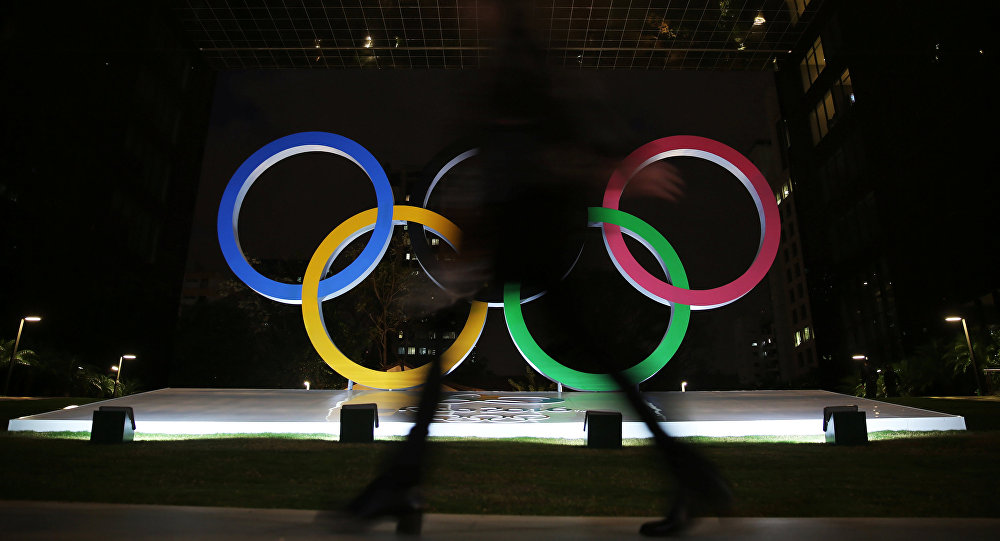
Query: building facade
x=887, y=203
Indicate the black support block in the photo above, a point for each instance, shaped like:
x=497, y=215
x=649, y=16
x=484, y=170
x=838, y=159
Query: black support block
x=358, y=422
x=112, y=424
x=604, y=429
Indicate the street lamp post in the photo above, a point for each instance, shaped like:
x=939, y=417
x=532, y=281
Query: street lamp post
x=119, y=372
x=968, y=342
x=17, y=342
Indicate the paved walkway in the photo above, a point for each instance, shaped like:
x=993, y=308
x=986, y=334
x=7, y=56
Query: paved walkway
x=85, y=521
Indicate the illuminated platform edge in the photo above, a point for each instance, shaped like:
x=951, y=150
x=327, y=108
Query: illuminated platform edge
x=488, y=414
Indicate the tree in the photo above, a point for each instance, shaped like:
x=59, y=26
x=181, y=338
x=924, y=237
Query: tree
x=23, y=357
x=387, y=286
x=944, y=367
x=530, y=384
x=242, y=339
x=924, y=370
x=94, y=382
x=986, y=355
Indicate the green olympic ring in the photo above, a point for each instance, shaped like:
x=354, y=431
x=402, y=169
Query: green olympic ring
x=680, y=315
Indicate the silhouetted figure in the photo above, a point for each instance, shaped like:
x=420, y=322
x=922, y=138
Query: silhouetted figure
x=537, y=163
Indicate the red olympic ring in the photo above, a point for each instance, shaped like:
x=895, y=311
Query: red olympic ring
x=736, y=164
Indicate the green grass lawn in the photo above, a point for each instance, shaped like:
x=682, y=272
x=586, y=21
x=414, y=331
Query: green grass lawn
x=938, y=474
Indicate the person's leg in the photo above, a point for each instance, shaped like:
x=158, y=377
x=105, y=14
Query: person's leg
x=700, y=487
x=395, y=493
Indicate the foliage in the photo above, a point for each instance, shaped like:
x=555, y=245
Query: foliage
x=530, y=384
x=99, y=384
x=93, y=382
x=944, y=366
x=986, y=352
x=54, y=373
x=924, y=369
x=384, y=292
x=245, y=340
x=242, y=339
x=23, y=357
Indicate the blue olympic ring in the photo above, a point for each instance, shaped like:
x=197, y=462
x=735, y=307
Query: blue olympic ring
x=255, y=165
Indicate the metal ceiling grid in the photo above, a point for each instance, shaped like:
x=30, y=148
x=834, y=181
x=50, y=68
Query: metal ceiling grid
x=454, y=34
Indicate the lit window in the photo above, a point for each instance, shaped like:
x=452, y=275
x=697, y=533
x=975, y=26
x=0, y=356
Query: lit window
x=400, y=334
x=807, y=334
x=812, y=65
x=401, y=350
x=796, y=8
x=412, y=350
x=450, y=335
x=435, y=241
x=837, y=99
x=432, y=335
x=423, y=351
x=798, y=338
x=822, y=117
x=844, y=90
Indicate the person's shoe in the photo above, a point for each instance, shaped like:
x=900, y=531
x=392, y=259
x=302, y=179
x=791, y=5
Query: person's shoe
x=383, y=499
x=712, y=496
x=678, y=520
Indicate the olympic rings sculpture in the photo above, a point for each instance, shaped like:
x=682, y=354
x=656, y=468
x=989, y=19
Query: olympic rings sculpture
x=381, y=220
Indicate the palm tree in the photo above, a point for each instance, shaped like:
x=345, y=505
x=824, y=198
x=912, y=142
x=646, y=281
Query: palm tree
x=987, y=353
x=96, y=382
x=926, y=369
x=23, y=357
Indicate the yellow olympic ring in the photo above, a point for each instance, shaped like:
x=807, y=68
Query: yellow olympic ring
x=312, y=314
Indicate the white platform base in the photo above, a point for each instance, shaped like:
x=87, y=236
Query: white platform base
x=488, y=415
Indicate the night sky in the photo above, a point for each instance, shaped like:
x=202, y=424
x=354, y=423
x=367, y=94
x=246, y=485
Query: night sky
x=405, y=117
